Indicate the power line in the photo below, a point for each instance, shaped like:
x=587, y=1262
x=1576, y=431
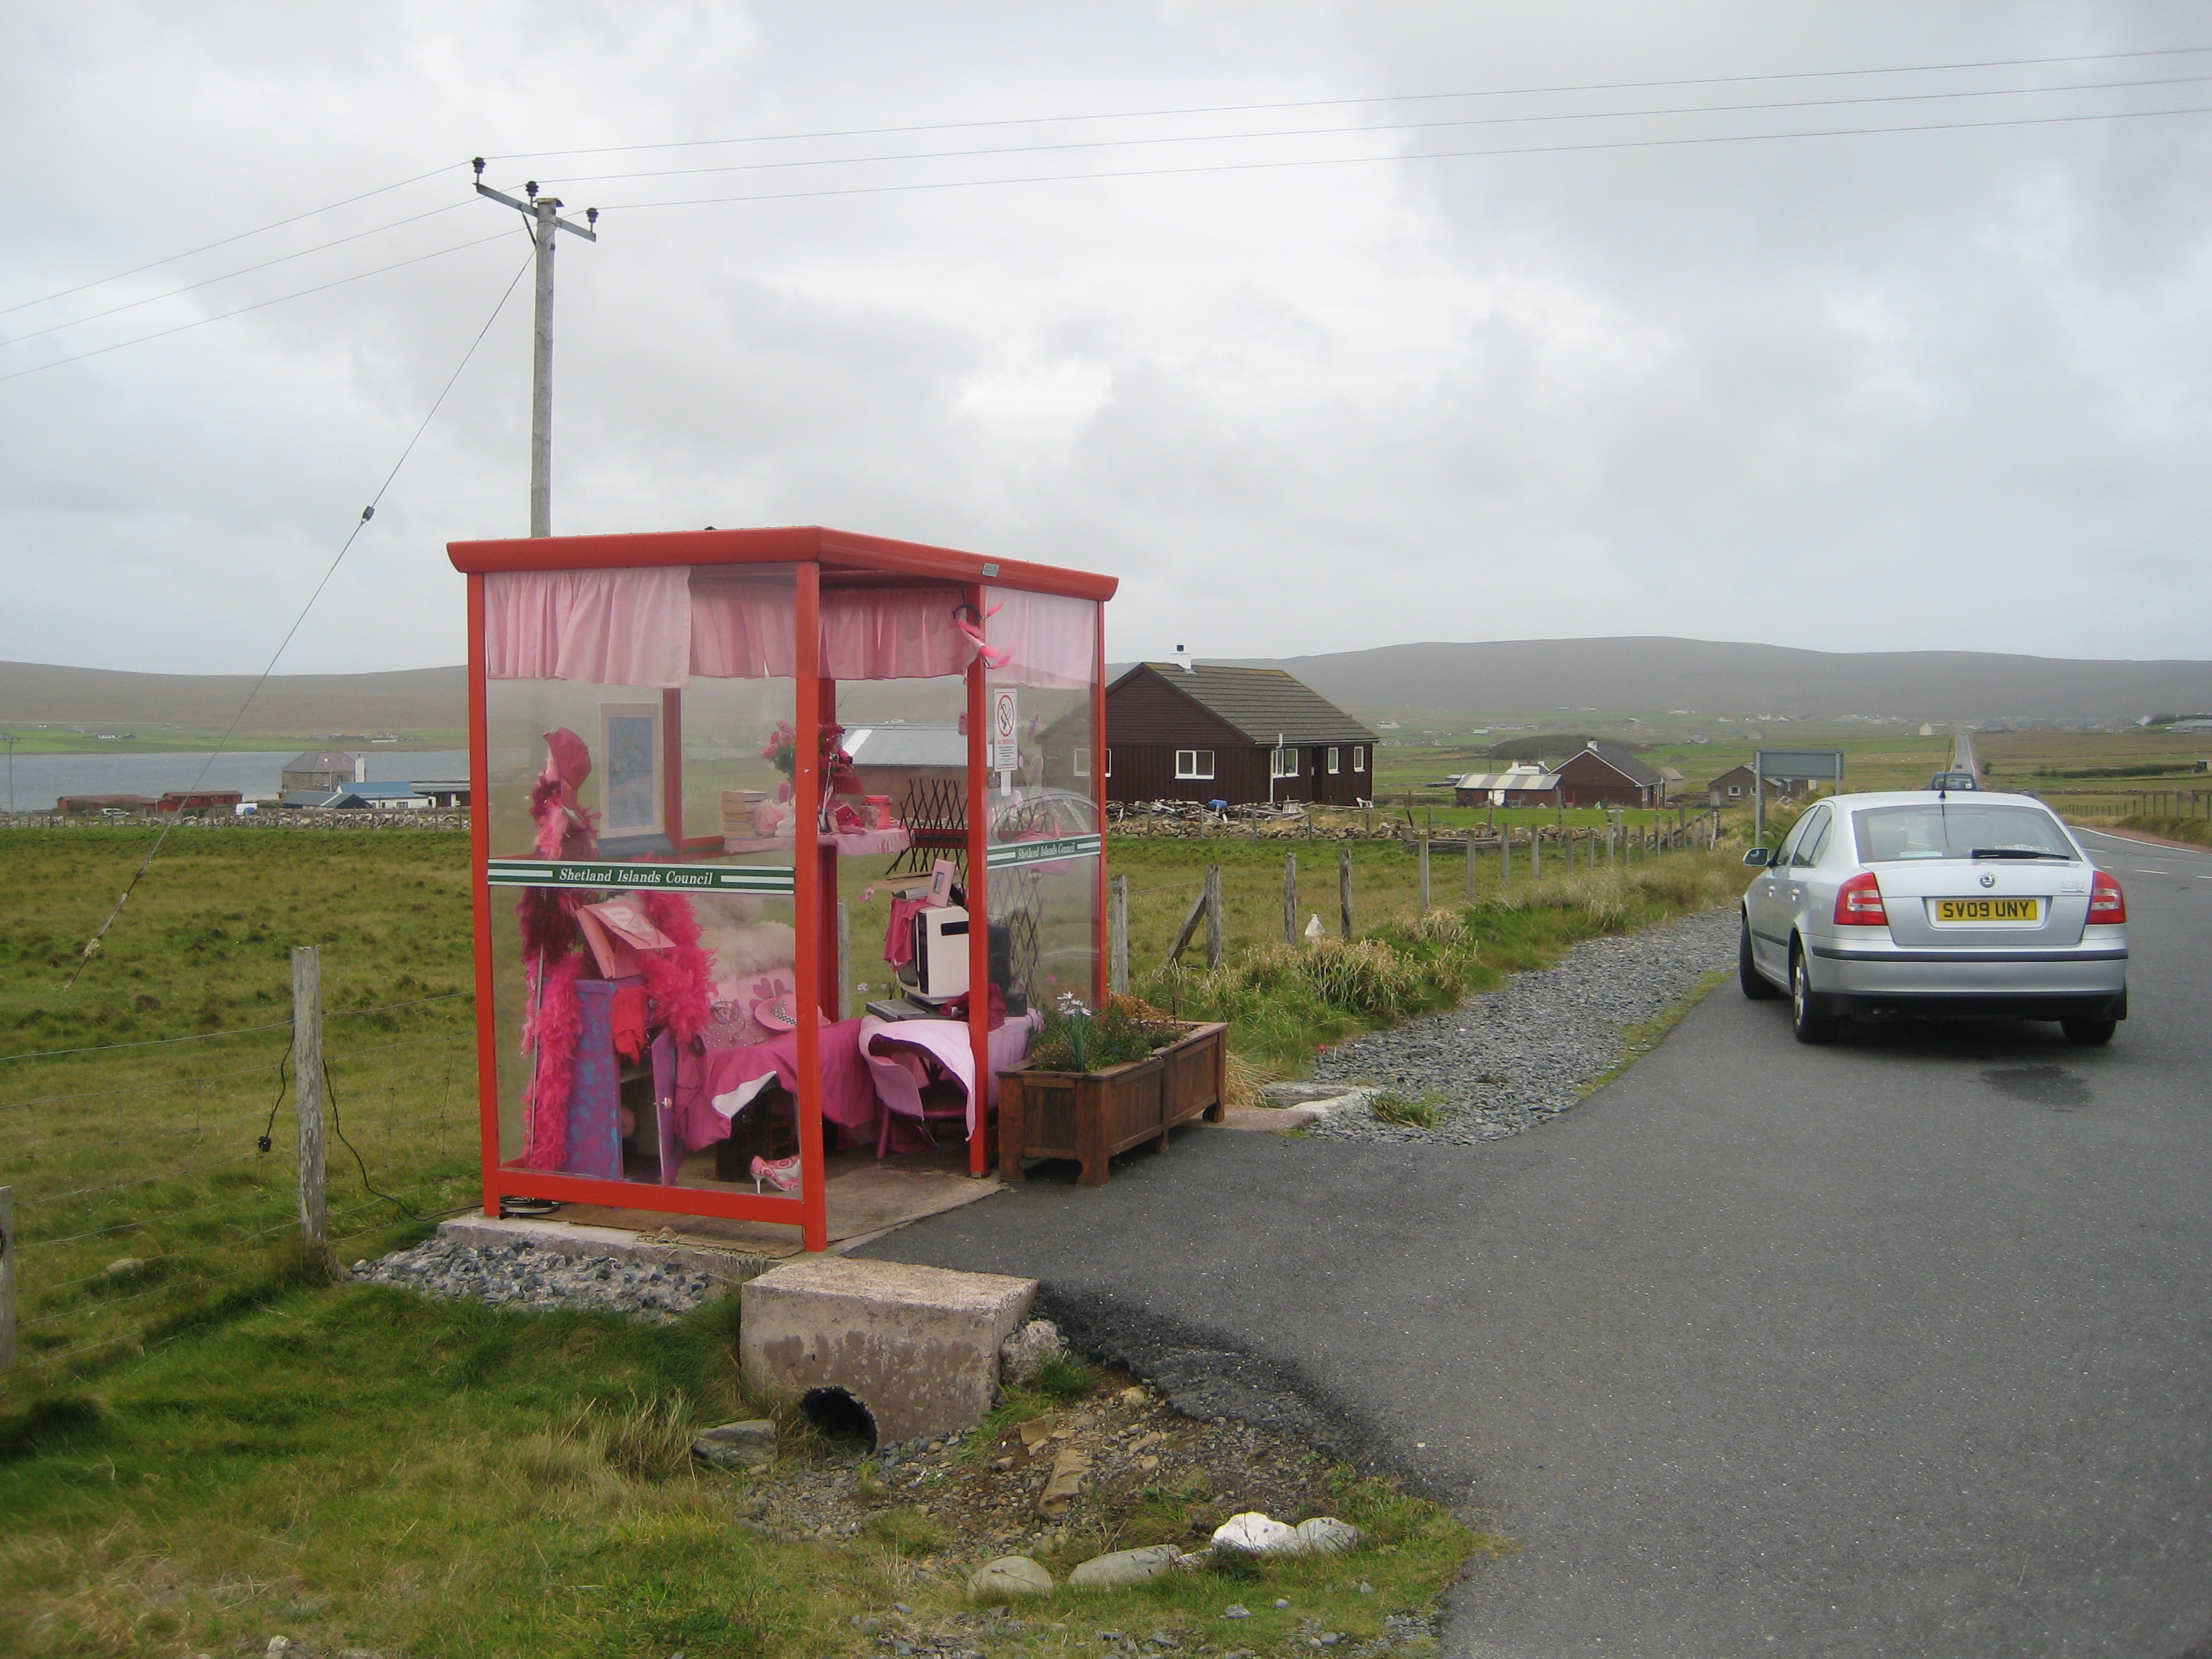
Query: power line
x=92, y=948
x=132, y=304
x=1388, y=126
x=171, y=258
x=259, y=305
x=1379, y=98
x=1413, y=156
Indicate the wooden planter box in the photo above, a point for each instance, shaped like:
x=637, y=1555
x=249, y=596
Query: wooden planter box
x=1091, y=1115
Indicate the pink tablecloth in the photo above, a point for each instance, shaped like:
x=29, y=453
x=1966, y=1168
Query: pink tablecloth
x=713, y=1088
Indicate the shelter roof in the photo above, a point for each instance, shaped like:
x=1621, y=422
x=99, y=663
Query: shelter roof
x=321, y=760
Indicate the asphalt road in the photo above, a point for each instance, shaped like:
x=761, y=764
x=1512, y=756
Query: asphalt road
x=1897, y=1347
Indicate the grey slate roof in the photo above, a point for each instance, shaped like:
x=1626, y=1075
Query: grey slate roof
x=1262, y=702
x=907, y=745
x=321, y=760
x=1623, y=763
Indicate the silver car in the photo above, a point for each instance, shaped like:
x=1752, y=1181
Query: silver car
x=1912, y=903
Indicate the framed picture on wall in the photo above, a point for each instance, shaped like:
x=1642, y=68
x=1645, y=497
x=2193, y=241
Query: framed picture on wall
x=631, y=802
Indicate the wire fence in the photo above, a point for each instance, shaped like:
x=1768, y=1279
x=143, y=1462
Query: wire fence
x=152, y=1180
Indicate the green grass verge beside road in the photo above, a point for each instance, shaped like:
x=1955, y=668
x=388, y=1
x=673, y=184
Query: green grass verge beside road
x=357, y=1467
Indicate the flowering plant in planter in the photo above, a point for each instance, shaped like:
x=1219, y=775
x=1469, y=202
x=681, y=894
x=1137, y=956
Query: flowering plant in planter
x=1075, y=1038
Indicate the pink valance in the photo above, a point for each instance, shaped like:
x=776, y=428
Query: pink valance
x=658, y=626
x=1054, y=640
x=603, y=626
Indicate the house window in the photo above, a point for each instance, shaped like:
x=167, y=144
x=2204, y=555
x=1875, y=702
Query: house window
x=1193, y=763
x=1083, y=763
x=1332, y=760
x=1358, y=759
x=1283, y=763
x=1734, y=789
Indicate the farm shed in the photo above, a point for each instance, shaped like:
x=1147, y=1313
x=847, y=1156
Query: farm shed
x=705, y=962
x=105, y=803
x=199, y=800
x=1184, y=731
x=1603, y=775
x=1517, y=786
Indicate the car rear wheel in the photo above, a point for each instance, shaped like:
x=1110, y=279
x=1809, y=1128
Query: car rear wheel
x=2089, y=1032
x=1756, y=986
x=1804, y=1023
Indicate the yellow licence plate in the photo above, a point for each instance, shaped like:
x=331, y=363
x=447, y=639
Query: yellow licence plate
x=1989, y=909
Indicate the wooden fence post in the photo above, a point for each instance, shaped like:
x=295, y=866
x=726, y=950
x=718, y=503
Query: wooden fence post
x=1505, y=860
x=1117, y=935
x=1535, y=852
x=7, y=1277
x=1470, y=863
x=308, y=1090
x=1344, y=892
x=1424, y=875
x=1289, y=898
x=1213, y=915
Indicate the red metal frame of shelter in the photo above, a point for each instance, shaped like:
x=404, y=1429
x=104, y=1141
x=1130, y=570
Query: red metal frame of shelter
x=840, y=558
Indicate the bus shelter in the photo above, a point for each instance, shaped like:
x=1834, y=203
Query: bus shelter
x=707, y=950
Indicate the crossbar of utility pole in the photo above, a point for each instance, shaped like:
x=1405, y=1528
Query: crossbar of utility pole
x=1117, y=935
x=7, y=1277
x=307, y=1090
x=544, y=214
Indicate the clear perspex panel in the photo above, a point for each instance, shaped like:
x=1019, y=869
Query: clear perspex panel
x=641, y=873
x=1042, y=807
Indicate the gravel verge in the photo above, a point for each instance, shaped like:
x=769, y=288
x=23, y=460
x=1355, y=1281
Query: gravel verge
x=1527, y=1051
x=522, y=1276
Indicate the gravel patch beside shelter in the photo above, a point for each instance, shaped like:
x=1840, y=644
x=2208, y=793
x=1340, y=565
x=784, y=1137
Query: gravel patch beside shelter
x=523, y=1276
x=1527, y=1052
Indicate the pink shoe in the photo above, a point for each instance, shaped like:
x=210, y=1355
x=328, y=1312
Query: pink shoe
x=782, y=1175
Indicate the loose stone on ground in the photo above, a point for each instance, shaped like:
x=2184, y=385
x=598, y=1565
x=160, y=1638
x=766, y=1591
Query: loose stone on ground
x=523, y=1276
x=1522, y=1054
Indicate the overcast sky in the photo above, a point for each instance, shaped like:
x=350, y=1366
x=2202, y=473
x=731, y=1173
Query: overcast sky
x=1893, y=391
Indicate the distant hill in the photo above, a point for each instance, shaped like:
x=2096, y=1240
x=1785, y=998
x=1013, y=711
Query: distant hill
x=408, y=698
x=1711, y=677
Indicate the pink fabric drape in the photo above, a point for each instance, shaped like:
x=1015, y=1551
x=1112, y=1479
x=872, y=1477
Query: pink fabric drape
x=603, y=626
x=892, y=633
x=1053, y=641
x=744, y=629
x=659, y=626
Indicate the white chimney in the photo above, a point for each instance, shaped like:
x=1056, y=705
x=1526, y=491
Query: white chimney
x=361, y=769
x=1183, y=661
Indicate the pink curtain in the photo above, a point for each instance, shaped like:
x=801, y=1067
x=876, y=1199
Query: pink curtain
x=892, y=633
x=603, y=626
x=660, y=625
x=744, y=629
x=1055, y=640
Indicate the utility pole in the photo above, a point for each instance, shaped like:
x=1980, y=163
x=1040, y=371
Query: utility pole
x=543, y=213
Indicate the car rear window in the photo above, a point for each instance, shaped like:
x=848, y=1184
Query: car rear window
x=1955, y=829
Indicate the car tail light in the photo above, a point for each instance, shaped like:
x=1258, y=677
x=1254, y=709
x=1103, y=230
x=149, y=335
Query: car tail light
x=2108, y=905
x=1858, y=903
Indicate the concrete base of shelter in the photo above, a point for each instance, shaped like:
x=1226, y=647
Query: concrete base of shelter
x=729, y=1264
x=917, y=1348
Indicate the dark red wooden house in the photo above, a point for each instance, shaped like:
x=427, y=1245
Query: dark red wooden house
x=1602, y=775
x=1198, y=731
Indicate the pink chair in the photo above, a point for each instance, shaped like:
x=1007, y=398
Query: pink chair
x=914, y=1090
